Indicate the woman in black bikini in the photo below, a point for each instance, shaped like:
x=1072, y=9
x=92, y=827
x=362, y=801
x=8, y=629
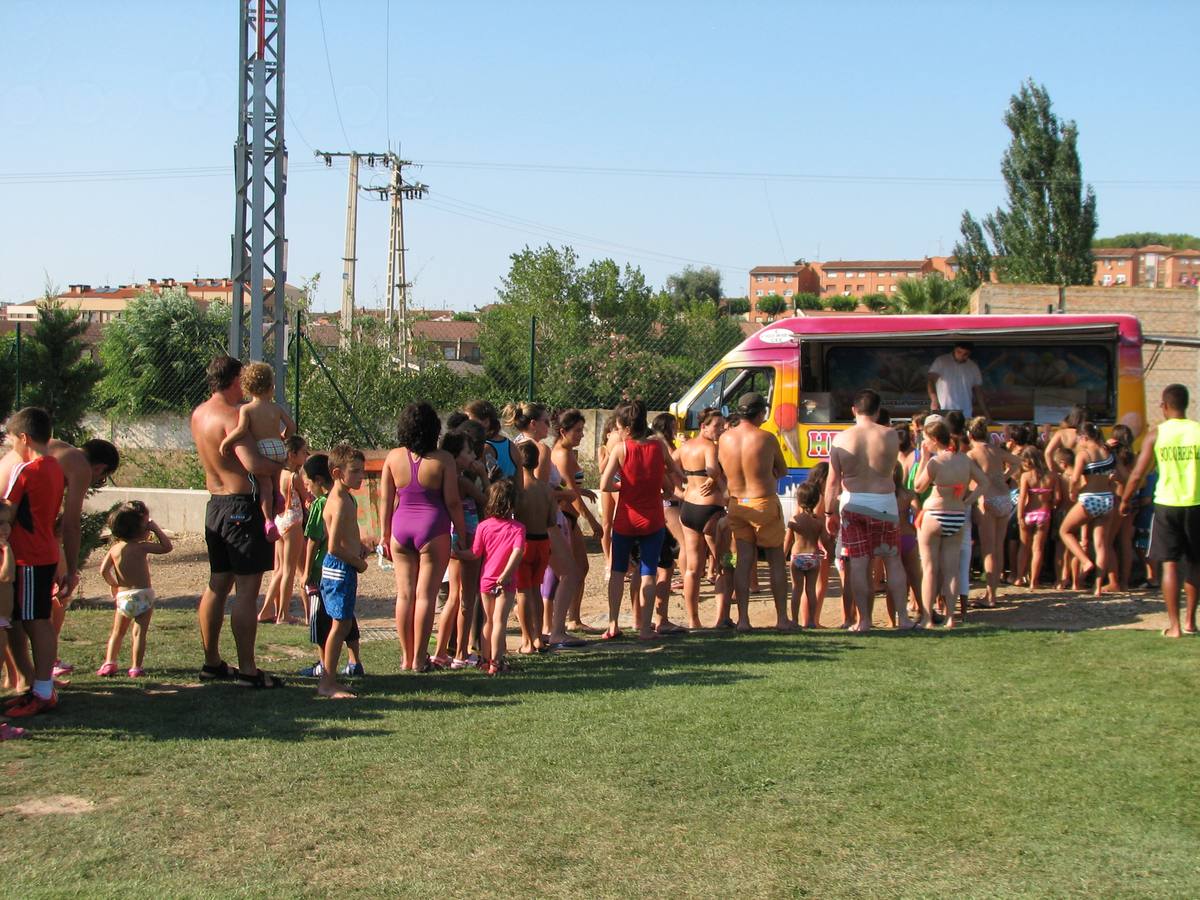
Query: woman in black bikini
x=943, y=517
x=569, y=426
x=701, y=515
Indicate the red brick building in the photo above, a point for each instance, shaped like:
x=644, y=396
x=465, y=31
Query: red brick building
x=850, y=278
x=1154, y=266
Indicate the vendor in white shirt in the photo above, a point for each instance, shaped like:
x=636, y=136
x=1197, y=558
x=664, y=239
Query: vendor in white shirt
x=955, y=380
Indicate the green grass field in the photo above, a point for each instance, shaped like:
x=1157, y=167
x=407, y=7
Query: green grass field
x=979, y=763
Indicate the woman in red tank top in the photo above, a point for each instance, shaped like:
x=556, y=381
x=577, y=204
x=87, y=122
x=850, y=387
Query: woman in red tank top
x=640, y=462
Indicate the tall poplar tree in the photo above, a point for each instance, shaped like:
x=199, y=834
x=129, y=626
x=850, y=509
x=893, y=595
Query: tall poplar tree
x=1044, y=236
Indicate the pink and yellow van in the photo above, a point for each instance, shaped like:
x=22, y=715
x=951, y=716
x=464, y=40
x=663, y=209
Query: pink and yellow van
x=1034, y=369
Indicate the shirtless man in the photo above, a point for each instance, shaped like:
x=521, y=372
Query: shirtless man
x=860, y=479
x=85, y=468
x=234, y=530
x=753, y=464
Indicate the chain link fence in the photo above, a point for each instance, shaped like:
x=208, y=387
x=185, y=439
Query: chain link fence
x=135, y=378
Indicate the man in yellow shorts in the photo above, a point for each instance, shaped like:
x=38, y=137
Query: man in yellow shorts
x=753, y=464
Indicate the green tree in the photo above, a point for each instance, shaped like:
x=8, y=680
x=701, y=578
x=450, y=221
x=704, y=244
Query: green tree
x=368, y=375
x=695, y=285
x=973, y=255
x=57, y=369
x=841, y=303
x=931, y=295
x=1045, y=234
x=601, y=333
x=1146, y=238
x=155, y=354
x=772, y=305
x=737, y=306
x=877, y=303
x=462, y=316
x=805, y=300
x=8, y=373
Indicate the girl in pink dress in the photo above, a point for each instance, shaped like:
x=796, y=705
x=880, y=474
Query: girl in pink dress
x=499, y=544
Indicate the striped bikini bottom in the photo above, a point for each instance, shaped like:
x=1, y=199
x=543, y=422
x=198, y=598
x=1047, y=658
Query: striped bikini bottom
x=950, y=521
x=1097, y=505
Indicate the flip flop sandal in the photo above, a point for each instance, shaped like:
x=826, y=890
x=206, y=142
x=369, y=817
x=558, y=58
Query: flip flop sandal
x=258, y=681
x=222, y=671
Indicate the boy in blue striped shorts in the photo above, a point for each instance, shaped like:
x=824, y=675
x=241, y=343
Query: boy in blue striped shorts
x=344, y=559
x=319, y=483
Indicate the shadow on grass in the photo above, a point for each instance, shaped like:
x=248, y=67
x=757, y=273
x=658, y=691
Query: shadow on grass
x=1054, y=610
x=174, y=706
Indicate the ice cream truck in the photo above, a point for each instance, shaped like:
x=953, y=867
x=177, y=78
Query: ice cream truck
x=1034, y=369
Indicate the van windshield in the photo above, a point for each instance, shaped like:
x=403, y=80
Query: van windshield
x=1022, y=382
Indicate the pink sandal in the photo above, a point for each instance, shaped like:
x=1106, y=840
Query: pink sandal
x=107, y=670
x=137, y=672
x=11, y=732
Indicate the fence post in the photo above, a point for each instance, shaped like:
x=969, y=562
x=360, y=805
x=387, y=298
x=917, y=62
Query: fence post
x=296, y=370
x=532, y=352
x=18, y=365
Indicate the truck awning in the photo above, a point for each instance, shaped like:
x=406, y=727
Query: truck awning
x=981, y=335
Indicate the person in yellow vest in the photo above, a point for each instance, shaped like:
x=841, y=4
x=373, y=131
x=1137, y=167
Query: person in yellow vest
x=1174, y=447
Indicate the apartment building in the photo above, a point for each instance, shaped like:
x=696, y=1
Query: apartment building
x=101, y=305
x=850, y=278
x=1152, y=266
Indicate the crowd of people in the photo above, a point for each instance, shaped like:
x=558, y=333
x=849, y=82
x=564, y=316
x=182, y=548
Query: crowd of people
x=500, y=519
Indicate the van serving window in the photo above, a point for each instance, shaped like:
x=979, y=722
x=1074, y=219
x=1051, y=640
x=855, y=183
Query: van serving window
x=1029, y=380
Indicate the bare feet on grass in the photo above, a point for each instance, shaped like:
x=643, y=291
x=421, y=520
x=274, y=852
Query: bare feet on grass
x=335, y=691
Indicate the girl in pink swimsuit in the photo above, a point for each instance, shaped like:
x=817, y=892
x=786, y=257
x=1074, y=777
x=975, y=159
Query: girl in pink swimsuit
x=1036, y=502
x=418, y=501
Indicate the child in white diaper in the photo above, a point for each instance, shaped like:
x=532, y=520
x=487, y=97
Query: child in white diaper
x=127, y=571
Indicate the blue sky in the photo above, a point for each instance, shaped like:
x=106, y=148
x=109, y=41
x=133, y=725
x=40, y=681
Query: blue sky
x=890, y=112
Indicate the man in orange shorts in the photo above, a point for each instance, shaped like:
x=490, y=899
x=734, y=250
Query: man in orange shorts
x=753, y=464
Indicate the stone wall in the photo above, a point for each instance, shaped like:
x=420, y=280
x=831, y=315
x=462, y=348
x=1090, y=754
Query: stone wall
x=1161, y=311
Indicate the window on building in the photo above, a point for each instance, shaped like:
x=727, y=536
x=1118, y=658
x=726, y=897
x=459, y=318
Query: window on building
x=789, y=293
x=758, y=278
x=859, y=288
x=758, y=293
x=832, y=275
x=846, y=292
x=771, y=278
x=1106, y=280
x=862, y=274
x=893, y=288
x=1120, y=279
x=449, y=352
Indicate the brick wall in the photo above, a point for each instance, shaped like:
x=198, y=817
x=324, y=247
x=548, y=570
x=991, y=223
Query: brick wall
x=1161, y=311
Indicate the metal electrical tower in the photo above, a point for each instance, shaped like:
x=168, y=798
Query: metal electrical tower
x=260, y=177
x=397, y=191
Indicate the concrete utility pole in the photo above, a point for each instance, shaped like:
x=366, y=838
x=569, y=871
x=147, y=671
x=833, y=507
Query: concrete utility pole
x=349, y=259
x=349, y=255
x=260, y=180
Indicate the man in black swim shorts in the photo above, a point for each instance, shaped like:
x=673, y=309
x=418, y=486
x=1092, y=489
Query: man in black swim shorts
x=234, y=529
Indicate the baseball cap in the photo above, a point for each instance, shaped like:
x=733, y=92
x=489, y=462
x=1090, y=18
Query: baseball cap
x=751, y=404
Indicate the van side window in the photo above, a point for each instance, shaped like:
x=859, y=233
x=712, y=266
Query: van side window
x=725, y=388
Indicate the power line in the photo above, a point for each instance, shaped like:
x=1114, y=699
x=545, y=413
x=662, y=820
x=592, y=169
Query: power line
x=329, y=66
x=199, y=171
x=779, y=176
x=116, y=175
x=387, y=76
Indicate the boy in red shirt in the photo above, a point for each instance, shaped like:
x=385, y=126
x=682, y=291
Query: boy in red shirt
x=35, y=488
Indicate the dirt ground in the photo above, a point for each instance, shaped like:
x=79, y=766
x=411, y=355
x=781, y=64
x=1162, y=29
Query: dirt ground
x=179, y=578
